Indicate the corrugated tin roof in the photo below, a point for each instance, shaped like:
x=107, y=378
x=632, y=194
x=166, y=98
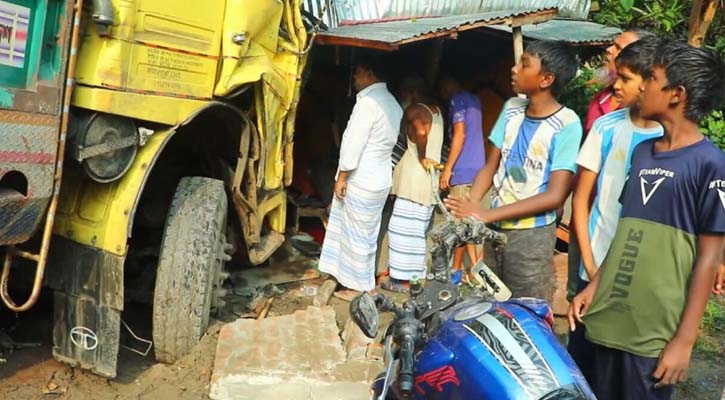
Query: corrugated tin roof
x=389, y=35
x=576, y=32
x=345, y=12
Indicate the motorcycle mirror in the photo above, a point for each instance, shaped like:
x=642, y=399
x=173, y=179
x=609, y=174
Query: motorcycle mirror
x=365, y=314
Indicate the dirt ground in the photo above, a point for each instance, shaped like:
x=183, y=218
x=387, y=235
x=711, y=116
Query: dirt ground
x=33, y=373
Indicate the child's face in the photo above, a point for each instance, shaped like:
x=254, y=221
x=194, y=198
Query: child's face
x=626, y=87
x=526, y=75
x=653, y=99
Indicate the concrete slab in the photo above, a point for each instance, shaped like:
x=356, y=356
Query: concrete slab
x=292, y=356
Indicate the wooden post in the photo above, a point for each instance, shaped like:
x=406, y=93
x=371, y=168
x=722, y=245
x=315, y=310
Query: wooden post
x=518, y=47
x=701, y=16
x=518, y=43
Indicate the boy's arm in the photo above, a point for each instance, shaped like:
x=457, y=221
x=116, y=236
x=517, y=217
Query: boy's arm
x=551, y=199
x=563, y=155
x=581, y=302
x=675, y=358
x=457, y=140
x=581, y=211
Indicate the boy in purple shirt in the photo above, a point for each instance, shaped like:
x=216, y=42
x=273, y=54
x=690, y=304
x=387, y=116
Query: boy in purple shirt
x=466, y=154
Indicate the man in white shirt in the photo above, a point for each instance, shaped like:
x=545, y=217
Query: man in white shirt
x=363, y=182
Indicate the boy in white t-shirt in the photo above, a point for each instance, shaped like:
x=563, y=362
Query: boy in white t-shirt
x=604, y=162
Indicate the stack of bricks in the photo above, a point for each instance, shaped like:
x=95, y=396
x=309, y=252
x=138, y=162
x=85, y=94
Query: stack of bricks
x=295, y=354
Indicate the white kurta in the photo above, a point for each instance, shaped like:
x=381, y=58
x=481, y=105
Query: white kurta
x=348, y=252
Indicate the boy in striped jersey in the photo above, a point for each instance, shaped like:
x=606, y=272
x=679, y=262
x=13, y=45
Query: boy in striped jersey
x=604, y=162
x=530, y=166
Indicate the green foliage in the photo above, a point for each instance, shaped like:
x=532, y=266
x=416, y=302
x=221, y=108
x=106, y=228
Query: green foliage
x=713, y=320
x=709, y=344
x=668, y=17
x=578, y=93
x=713, y=126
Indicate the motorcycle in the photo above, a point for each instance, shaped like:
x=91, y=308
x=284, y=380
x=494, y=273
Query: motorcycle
x=485, y=345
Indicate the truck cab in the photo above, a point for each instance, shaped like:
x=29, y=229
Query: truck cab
x=178, y=150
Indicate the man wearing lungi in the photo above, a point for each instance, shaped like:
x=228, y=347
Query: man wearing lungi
x=363, y=182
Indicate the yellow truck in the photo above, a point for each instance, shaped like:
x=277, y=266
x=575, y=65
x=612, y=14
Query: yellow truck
x=178, y=147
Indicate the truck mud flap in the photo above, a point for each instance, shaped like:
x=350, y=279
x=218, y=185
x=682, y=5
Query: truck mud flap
x=88, y=302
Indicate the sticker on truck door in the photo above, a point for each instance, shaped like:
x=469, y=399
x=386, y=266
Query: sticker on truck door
x=14, y=21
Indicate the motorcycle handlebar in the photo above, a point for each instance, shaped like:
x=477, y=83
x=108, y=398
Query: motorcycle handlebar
x=406, y=379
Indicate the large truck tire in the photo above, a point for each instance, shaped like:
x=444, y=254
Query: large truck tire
x=190, y=264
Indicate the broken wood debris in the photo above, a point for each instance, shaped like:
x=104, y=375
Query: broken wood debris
x=265, y=309
x=324, y=293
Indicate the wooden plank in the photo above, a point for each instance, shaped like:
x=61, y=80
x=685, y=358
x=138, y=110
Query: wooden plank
x=534, y=18
x=355, y=42
x=324, y=293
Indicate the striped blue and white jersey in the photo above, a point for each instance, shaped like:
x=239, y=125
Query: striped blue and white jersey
x=608, y=151
x=531, y=149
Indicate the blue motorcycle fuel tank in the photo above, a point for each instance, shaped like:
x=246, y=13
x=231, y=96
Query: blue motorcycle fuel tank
x=491, y=350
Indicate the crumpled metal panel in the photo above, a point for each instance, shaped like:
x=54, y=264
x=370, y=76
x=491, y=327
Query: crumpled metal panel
x=362, y=11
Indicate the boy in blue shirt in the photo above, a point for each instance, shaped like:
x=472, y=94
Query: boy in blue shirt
x=643, y=308
x=604, y=162
x=530, y=166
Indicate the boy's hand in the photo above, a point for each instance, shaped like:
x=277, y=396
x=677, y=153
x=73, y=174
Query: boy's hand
x=673, y=363
x=717, y=288
x=579, y=305
x=461, y=208
x=445, y=180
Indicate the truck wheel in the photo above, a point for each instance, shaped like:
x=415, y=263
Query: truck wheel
x=190, y=264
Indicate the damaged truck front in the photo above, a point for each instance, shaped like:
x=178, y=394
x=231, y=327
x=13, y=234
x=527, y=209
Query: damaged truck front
x=179, y=147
